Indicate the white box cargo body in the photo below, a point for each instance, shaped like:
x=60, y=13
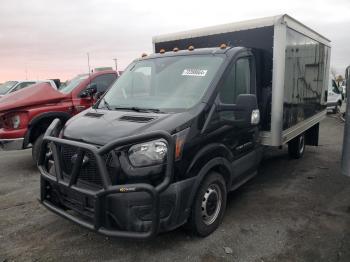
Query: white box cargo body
x=292, y=71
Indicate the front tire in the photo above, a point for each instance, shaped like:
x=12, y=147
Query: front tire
x=296, y=147
x=36, y=148
x=209, y=205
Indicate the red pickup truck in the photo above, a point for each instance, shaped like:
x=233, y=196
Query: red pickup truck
x=26, y=114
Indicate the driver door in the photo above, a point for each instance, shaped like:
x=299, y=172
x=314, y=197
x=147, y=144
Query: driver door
x=102, y=82
x=239, y=79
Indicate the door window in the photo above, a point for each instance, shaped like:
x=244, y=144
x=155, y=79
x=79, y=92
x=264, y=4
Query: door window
x=236, y=82
x=103, y=82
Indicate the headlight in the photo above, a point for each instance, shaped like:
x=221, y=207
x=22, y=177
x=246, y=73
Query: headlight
x=149, y=153
x=14, y=120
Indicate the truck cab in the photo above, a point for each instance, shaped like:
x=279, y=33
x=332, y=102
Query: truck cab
x=182, y=109
x=26, y=114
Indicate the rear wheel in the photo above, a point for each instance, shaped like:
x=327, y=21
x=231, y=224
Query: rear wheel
x=337, y=107
x=209, y=205
x=296, y=147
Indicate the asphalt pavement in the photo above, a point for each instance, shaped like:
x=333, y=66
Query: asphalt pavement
x=294, y=210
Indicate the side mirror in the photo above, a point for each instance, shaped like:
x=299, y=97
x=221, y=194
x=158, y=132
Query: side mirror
x=90, y=90
x=244, y=112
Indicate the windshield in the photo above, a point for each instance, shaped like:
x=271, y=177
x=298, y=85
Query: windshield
x=333, y=87
x=166, y=84
x=7, y=86
x=67, y=87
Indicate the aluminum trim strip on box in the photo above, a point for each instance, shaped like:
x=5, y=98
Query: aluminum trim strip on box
x=289, y=134
x=305, y=30
x=278, y=70
x=265, y=138
x=301, y=127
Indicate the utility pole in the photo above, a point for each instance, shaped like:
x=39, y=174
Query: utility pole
x=116, y=64
x=88, y=61
x=345, y=163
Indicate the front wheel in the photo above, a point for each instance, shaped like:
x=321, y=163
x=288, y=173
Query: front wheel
x=209, y=205
x=36, y=148
x=296, y=147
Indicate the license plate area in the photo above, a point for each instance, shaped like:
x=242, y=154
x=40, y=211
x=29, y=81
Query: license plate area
x=78, y=202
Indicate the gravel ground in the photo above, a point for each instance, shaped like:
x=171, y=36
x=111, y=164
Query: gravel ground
x=294, y=210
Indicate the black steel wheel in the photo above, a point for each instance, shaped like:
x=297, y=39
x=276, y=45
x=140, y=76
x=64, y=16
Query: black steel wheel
x=209, y=205
x=296, y=147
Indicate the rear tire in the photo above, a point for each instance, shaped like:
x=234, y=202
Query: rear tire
x=337, y=108
x=36, y=148
x=296, y=147
x=209, y=205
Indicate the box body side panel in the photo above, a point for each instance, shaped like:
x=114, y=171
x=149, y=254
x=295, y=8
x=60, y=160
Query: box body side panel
x=306, y=78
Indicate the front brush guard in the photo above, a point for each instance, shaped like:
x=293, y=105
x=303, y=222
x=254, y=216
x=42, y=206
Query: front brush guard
x=50, y=139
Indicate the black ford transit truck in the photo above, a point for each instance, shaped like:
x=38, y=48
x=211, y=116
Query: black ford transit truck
x=186, y=125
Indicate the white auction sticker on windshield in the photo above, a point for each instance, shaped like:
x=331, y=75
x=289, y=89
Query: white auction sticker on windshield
x=194, y=72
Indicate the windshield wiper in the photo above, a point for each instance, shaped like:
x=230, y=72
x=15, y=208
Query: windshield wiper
x=138, y=109
x=105, y=103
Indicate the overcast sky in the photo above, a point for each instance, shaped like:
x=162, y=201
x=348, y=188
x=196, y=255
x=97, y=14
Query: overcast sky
x=50, y=38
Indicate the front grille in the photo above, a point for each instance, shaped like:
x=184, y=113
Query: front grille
x=88, y=172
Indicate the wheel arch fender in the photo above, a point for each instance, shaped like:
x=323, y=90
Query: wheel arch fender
x=219, y=164
x=40, y=122
x=207, y=153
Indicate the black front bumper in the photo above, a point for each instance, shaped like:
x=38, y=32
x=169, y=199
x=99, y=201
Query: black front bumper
x=95, y=207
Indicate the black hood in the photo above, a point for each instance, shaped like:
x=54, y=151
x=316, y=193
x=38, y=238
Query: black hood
x=103, y=126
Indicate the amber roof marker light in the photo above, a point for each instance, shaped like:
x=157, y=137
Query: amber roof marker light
x=162, y=51
x=223, y=46
x=191, y=48
x=143, y=55
x=176, y=49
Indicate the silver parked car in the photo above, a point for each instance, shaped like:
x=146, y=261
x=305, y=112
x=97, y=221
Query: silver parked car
x=335, y=97
x=12, y=86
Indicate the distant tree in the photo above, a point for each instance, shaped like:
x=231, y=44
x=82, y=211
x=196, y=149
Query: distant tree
x=334, y=73
x=339, y=79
